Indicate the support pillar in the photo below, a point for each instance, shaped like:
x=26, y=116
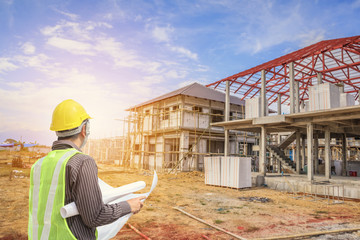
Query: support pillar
x=319, y=78
x=262, y=157
x=278, y=166
x=310, y=168
x=263, y=94
x=292, y=87
x=344, y=160
x=327, y=154
x=184, y=148
x=303, y=152
x=316, y=153
x=297, y=97
x=279, y=104
x=227, y=118
x=297, y=157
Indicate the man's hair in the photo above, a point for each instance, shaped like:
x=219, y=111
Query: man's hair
x=73, y=137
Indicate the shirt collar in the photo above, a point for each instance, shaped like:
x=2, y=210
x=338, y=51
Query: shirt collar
x=64, y=144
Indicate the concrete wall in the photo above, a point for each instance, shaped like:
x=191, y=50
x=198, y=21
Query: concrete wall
x=347, y=187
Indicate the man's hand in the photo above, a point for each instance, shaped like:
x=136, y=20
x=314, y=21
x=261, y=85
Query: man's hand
x=135, y=204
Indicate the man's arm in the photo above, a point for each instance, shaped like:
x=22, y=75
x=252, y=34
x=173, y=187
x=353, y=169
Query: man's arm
x=89, y=201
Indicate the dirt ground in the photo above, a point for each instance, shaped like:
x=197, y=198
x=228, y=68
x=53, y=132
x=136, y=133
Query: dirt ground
x=280, y=214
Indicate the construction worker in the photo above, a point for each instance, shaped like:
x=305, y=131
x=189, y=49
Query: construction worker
x=67, y=175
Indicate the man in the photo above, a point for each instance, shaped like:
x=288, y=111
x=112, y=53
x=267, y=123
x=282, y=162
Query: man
x=66, y=175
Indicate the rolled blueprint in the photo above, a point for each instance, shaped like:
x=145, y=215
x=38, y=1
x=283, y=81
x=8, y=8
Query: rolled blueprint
x=110, y=230
x=109, y=194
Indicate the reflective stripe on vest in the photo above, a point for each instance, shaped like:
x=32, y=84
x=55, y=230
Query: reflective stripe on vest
x=42, y=210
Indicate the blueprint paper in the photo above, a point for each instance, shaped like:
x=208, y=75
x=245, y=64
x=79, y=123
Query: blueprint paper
x=113, y=195
x=110, y=230
x=108, y=194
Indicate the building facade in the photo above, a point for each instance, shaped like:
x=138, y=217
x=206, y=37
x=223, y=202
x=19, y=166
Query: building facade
x=174, y=132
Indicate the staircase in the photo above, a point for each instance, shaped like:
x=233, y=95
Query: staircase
x=288, y=140
x=279, y=154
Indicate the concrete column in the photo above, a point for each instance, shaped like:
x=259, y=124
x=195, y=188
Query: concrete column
x=297, y=97
x=303, y=152
x=316, y=153
x=263, y=94
x=344, y=160
x=310, y=168
x=359, y=97
x=292, y=87
x=184, y=147
x=227, y=118
x=297, y=157
x=227, y=101
x=226, y=143
x=262, y=157
x=279, y=104
x=278, y=166
x=327, y=154
x=319, y=78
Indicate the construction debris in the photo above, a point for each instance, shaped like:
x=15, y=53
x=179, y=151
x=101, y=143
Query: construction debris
x=255, y=199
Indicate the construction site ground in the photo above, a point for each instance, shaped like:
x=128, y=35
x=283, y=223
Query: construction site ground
x=250, y=213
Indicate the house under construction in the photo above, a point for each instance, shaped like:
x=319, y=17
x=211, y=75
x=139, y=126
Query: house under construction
x=320, y=83
x=174, y=132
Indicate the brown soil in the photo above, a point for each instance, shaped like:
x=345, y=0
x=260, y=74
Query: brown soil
x=282, y=215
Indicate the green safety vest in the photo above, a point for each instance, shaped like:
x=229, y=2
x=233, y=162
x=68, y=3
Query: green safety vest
x=47, y=197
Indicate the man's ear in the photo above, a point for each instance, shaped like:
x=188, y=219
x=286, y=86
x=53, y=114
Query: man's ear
x=83, y=131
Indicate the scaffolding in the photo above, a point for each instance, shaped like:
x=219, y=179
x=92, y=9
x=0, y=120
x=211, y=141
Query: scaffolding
x=176, y=134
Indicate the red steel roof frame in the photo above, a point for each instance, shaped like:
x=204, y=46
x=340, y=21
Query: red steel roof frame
x=338, y=60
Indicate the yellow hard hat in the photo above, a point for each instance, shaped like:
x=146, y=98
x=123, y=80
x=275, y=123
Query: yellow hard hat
x=67, y=115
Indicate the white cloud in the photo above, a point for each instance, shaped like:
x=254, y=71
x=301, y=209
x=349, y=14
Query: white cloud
x=69, y=15
x=86, y=39
x=39, y=62
x=6, y=65
x=162, y=34
x=28, y=48
x=80, y=31
x=202, y=68
x=311, y=37
x=121, y=56
x=185, y=52
x=72, y=46
x=175, y=74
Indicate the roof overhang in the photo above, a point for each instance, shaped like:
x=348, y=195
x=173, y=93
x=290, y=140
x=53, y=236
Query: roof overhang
x=338, y=120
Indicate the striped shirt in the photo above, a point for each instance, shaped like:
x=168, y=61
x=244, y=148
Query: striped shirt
x=82, y=187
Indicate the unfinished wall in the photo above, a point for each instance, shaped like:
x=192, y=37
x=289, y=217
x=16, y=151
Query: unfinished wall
x=324, y=96
x=253, y=107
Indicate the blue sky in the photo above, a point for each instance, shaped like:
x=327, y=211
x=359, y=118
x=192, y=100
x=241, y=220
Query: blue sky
x=109, y=55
